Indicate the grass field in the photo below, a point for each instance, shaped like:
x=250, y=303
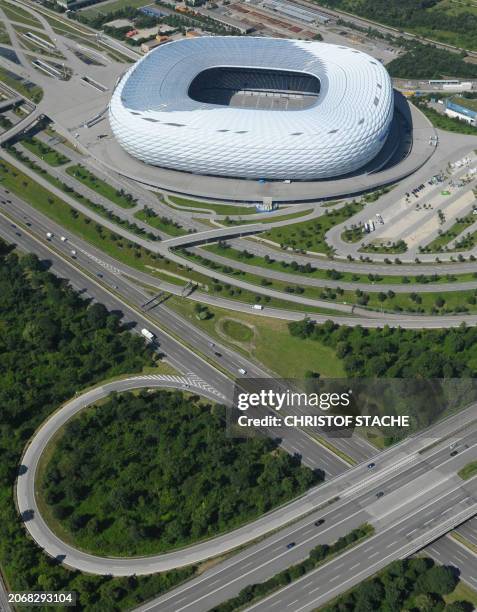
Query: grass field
x=16, y=13
x=49, y=155
x=273, y=219
x=25, y=88
x=124, y=250
x=219, y=209
x=310, y=235
x=83, y=175
x=468, y=470
x=254, y=260
x=453, y=232
x=110, y=7
x=237, y=331
x=161, y=223
x=462, y=592
x=272, y=344
x=4, y=38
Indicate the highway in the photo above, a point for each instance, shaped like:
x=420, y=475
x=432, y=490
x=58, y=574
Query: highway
x=418, y=503
x=118, y=278
x=128, y=297
x=448, y=551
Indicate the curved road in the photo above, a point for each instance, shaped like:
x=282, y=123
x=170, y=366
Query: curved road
x=353, y=480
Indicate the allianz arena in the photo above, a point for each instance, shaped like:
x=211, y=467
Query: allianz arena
x=249, y=107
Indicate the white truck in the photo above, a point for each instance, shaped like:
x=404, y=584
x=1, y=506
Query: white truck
x=257, y=307
x=148, y=334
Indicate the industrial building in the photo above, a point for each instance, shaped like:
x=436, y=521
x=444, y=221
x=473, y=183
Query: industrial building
x=464, y=109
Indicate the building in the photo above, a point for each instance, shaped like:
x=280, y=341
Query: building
x=464, y=109
x=155, y=42
x=75, y=4
x=256, y=108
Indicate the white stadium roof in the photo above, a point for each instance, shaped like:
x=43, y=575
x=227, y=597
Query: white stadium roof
x=257, y=133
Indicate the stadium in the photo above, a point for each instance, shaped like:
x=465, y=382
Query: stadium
x=254, y=108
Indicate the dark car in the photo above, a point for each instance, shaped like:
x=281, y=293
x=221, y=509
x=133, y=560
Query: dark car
x=379, y=494
x=290, y=545
x=454, y=453
x=371, y=465
x=99, y=275
x=319, y=522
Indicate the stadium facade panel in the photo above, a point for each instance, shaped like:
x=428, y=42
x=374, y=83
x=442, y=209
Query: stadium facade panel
x=252, y=107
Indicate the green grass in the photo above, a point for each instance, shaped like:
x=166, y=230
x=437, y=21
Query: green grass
x=111, y=7
x=272, y=219
x=237, y=330
x=273, y=346
x=219, y=209
x=16, y=13
x=453, y=301
x=443, y=239
x=49, y=155
x=4, y=38
x=123, y=249
x=271, y=264
x=462, y=592
x=392, y=248
x=468, y=470
x=83, y=175
x=27, y=89
x=447, y=123
x=168, y=226
x=310, y=235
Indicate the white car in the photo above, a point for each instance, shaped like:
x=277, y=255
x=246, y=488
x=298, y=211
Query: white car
x=242, y=371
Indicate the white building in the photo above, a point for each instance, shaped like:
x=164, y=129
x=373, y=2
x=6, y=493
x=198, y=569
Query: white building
x=254, y=108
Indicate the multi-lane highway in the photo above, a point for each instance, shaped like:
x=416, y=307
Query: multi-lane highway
x=418, y=504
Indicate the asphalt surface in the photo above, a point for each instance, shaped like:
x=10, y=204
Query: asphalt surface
x=469, y=531
x=96, y=262
x=448, y=551
x=417, y=503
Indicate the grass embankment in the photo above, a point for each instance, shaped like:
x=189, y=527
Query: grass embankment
x=24, y=88
x=318, y=556
x=271, y=343
x=462, y=592
x=46, y=153
x=310, y=235
x=468, y=471
x=219, y=209
x=16, y=13
x=163, y=224
x=438, y=244
x=272, y=219
x=118, y=196
x=310, y=271
x=391, y=248
x=4, y=38
x=94, y=206
x=432, y=303
x=125, y=250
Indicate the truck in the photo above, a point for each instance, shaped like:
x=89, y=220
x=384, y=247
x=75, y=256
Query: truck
x=257, y=307
x=148, y=334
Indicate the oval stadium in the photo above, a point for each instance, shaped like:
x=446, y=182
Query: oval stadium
x=249, y=107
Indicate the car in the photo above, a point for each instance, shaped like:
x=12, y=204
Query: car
x=290, y=545
x=28, y=224
x=454, y=453
x=99, y=275
x=319, y=522
x=371, y=465
x=17, y=234
x=217, y=354
x=242, y=371
x=379, y=494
